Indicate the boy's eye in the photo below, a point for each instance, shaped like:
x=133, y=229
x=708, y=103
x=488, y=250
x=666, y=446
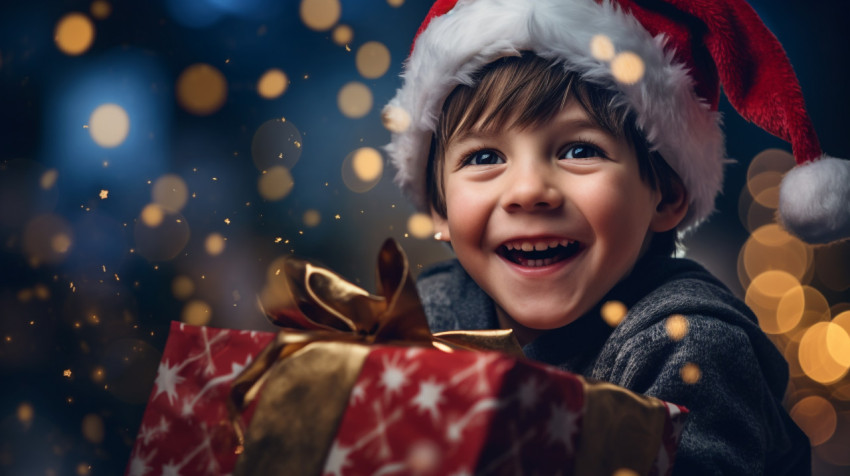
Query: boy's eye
x=582, y=151
x=483, y=157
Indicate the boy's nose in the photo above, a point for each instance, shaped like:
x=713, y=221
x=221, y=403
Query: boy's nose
x=531, y=187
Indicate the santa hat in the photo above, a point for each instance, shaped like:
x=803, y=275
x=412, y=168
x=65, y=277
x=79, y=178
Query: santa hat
x=678, y=53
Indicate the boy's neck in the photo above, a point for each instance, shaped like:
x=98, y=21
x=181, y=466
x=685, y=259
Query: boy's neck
x=523, y=334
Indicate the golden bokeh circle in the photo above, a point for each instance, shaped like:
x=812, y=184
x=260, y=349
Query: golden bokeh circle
x=354, y=100
x=182, y=287
x=214, y=244
x=100, y=9
x=311, y=218
x=74, y=34
x=196, y=313
x=613, y=312
x=690, y=373
x=764, y=188
x=362, y=169
x=342, y=35
x=770, y=160
x=819, y=347
x=109, y=125
x=770, y=247
x=201, y=89
x=320, y=15
x=602, y=48
x=25, y=413
x=272, y=84
x=372, y=59
x=275, y=183
x=395, y=3
x=627, y=67
x=47, y=239
x=676, y=327
x=276, y=142
x=152, y=215
x=93, y=428
x=163, y=241
x=816, y=416
x=764, y=294
x=420, y=225
x=170, y=192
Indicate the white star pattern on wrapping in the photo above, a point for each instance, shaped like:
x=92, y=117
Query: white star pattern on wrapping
x=167, y=380
x=529, y=393
x=429, y=397
x=235, y=370
x=139, y=464
x=147, y=434
x=562, y=425
x=477, y=369
x=337, y=459
x=207, y=352
x=394, y=376
x=358, y=393
x=455, y=428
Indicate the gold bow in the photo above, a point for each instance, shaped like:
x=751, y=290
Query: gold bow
x=327, y=308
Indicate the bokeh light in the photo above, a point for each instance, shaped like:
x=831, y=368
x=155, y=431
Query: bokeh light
x=320, y=15
x=311, y=218
x=201, y=89
x=676, y=327
x=420, y=225
x=214, y=244
x=816, y=417
x=354, y=100
x=613, y=313
x=93, y=429
x=182, y=287
x=372, y=59
x=74, y=34
x=109, y=125
x=772, y=248
x=275, y=183
x=100, y=9
x=627, y=67
x=272, y=84
x=690, y=373
x=342, y=35
x=47, y=239
x=362, y=169
x=163, y=241
x=763, y=297
x=395, y=3
x=152, y=215
x=170, y=192
x=825, y=352
x=277, y=142
x=48, y=179
x=25, y=414
x=196, y=313
x=602, y=48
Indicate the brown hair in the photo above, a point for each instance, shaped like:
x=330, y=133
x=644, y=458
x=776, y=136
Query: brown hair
x=539, y=89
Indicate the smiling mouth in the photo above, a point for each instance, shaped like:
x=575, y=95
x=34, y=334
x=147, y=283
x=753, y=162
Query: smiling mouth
x=535, y=254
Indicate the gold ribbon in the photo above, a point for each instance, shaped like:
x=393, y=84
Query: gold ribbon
x=306, y=388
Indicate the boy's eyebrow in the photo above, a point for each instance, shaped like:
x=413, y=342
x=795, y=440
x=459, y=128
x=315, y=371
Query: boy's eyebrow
x=579, y=122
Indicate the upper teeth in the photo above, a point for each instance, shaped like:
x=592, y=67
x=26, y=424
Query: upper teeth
x=536, y=245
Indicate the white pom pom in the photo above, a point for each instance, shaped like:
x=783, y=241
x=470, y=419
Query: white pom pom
x=814, y=200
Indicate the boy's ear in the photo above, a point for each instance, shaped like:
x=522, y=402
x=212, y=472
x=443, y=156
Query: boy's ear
x=441, y=226
x=671, y=209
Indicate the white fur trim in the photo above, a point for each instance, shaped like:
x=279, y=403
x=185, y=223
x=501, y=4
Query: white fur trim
x=476, y=32
x=814, y=200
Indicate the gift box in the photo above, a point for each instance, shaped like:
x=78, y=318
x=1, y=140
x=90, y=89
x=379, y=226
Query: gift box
x=186, y=428
x=356, y=384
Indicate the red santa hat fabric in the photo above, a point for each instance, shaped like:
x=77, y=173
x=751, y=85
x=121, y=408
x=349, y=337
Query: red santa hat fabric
x=683, y=50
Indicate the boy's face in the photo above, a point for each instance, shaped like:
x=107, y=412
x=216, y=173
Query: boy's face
x=547, y=219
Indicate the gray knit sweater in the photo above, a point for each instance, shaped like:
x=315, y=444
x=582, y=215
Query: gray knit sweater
x=736, y=425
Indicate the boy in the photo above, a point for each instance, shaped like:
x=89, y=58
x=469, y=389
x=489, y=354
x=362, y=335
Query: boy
x=560, y=146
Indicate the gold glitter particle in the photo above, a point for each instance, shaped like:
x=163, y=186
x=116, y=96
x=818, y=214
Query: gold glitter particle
x=104, y=194
x=227, y=221
x=66, y=373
